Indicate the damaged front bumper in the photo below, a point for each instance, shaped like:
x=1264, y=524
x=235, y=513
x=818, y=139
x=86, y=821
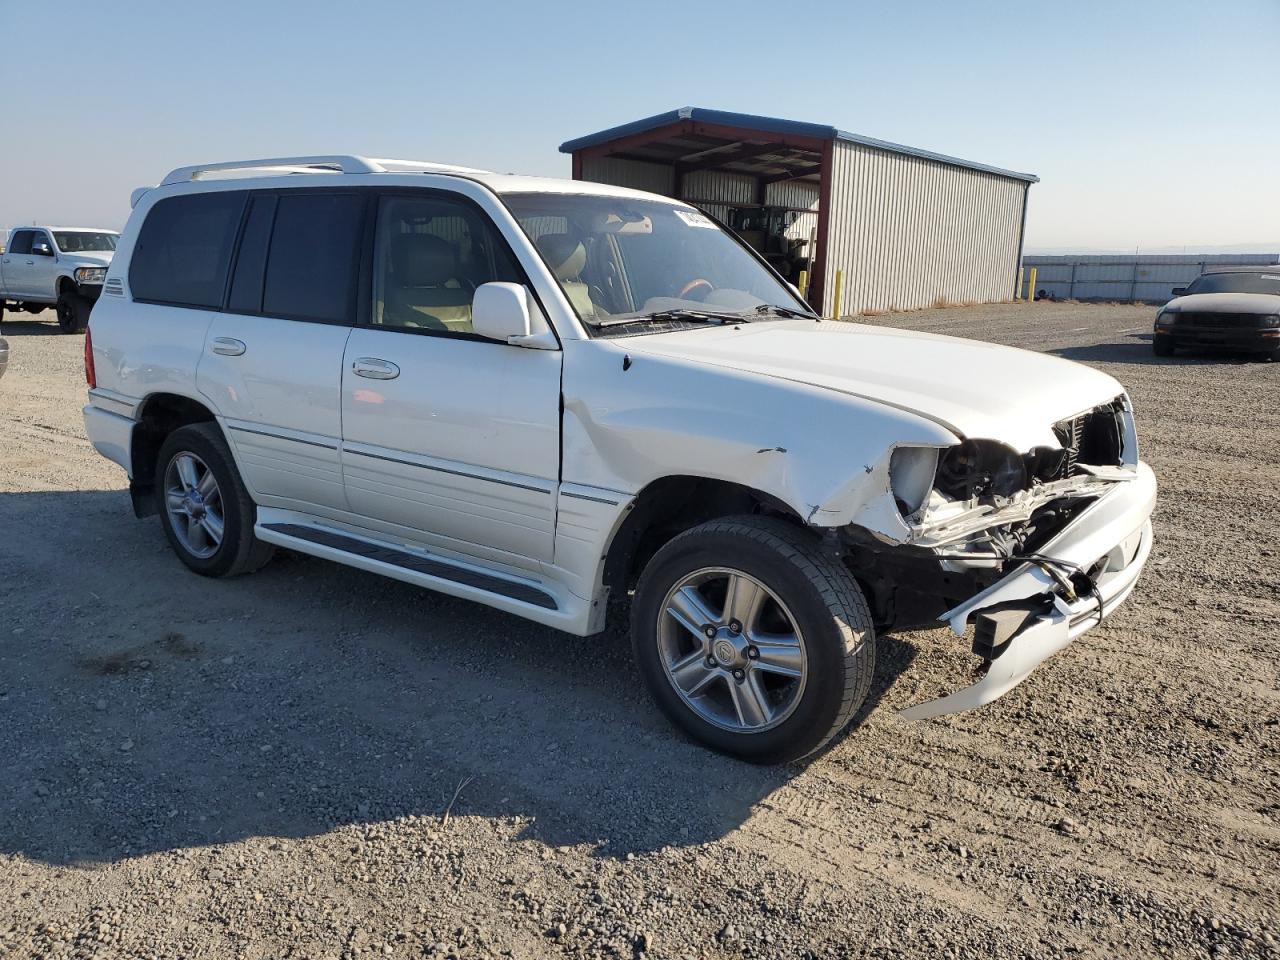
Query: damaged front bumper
x=1112, y=537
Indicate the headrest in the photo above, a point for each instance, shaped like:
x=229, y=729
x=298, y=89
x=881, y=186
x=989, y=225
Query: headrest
x=563, y=254
x=423, y=260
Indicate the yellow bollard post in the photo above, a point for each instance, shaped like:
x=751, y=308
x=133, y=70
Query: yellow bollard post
x=803, y=284
x=835, y=314
x=1031, y=286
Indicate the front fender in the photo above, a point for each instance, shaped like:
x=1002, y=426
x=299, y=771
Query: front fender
x=824, y=454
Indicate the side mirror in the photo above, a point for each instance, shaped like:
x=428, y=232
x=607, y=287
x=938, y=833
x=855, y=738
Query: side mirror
x=500, y=311
x=1179, y=292
x=41, y=249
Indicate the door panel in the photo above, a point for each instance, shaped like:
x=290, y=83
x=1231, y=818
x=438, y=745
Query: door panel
x=42, y=279
x=279, y=397
x=19, y=265
x=463, y=442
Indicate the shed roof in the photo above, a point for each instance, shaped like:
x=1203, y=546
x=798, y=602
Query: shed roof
x=785, y=131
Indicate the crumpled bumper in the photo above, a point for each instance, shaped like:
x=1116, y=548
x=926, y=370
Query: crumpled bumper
x=1117, y=527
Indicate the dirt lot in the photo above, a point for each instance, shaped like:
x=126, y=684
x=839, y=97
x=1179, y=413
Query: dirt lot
x=261, y=767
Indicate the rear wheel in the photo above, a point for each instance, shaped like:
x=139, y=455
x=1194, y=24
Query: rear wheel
x=1162, y=345
x=73, y=311
x=752, y=639
x=204, y=507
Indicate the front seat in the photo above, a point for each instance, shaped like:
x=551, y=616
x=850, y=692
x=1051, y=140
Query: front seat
x=423, y=289
x=567, y=257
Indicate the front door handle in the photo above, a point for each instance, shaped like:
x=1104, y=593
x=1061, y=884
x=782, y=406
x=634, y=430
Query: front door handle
x=228, y=346
x=375, y=369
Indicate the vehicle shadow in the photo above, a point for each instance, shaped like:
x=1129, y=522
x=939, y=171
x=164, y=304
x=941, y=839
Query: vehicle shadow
x=145, y=709
x=1137, y=349
x=29, y=326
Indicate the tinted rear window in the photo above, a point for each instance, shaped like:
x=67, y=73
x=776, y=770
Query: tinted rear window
x=313, y=259
x=251, y=261
x=21, y=242
x=183, y=249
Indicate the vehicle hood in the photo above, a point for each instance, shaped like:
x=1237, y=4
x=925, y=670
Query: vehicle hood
x=1265, y=303
x=972, y=388
x=88, y=259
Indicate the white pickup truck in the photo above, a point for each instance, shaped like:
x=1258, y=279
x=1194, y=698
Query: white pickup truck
x=59, y=267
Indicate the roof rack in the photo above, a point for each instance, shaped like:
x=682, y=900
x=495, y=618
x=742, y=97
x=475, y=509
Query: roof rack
x=337, y=163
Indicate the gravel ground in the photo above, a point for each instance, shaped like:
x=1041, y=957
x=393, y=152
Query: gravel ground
x=315, y=762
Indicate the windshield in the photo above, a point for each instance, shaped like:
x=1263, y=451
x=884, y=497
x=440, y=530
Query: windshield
x=619, y=259
x=1237, y=283
x=85, y=241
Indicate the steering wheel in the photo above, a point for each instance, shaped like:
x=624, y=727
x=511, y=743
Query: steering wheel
x=694, y=285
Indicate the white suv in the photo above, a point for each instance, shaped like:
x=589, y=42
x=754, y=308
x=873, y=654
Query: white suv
x=541, y=394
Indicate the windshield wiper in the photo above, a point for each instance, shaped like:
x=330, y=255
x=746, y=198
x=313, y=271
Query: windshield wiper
x=677, y=316
x=784, y=312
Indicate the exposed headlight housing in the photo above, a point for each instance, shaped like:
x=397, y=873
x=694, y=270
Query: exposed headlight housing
x=1166, y=318
x=980, y=468
x=1271, y=321
x=90, y=274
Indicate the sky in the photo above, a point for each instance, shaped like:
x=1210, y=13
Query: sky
x=1151, y=123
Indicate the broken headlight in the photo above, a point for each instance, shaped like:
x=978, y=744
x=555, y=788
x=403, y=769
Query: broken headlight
x=980, y=468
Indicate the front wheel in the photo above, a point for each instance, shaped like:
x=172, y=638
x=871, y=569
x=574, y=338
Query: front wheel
x=73, y=312
x=1162, y=345
x=204, y=507
x=753, y=639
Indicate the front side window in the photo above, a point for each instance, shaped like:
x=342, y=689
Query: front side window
x=620, y=260
x=430, y=255
x=40, y=244
x=183, y=249
x=1264, y=281
x=21, y=242
x=85, y=241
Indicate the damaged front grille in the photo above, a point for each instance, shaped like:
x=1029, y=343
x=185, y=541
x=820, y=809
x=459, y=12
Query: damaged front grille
x=1093, y=438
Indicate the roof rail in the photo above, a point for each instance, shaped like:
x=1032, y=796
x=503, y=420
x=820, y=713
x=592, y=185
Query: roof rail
x=337, y=163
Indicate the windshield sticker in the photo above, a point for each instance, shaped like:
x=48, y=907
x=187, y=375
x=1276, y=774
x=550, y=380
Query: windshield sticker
x=695, y=219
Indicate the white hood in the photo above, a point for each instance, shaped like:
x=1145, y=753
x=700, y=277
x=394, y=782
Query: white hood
x=88, y=258
x=972, y=388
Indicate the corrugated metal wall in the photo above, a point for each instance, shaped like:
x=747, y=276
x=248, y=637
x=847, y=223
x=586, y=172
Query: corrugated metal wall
x=653, y=177
x=907, y=231
x=1150, y=278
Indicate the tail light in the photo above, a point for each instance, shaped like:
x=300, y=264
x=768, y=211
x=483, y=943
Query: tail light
x=90, y=375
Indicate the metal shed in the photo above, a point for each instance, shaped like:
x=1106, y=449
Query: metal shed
x=903, y=227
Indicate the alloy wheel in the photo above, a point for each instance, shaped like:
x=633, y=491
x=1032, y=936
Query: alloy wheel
x=194, y=504
x=732, y=650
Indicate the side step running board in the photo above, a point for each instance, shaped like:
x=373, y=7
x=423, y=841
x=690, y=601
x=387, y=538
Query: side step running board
x=523, y=592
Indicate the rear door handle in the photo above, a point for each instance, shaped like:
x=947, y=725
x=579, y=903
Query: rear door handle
x=375, y=369
x=228, y=346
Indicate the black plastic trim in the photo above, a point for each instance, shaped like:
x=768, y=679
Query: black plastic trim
x=580, y=496
x=456, y=473
x=280, y=436
x=525, y=593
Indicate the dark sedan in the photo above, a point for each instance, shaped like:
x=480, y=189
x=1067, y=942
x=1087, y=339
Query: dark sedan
x=1236, y=309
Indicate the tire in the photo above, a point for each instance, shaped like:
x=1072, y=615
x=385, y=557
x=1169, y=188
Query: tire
x=1162, y=345
x=236, y=551
x=803, y=586
x=73, y=312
